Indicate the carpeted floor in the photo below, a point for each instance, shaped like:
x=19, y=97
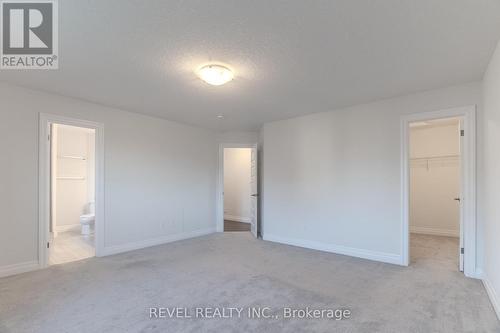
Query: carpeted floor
x=115, y=293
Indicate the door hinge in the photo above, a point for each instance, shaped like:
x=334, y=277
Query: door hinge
x=462, y=250
x=48, y=245
x=462, y=132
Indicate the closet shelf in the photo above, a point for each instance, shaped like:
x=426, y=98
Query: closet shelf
x=72, y=157
x=431, y=162
x=70, y=178
x=434, y=157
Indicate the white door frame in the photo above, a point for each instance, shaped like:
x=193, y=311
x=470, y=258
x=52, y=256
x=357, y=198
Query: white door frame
x=468, y=181
x=220, y=181
x=44, y=181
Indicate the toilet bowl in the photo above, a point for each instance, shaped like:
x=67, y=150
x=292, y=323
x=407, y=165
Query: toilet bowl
x=87, y=220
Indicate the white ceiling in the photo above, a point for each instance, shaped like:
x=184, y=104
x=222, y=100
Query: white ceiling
x=291, y=57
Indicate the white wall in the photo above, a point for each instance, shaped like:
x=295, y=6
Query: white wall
x=75, y=181
x=435, y=180
x=332, y=180
x=237, y=184
x=490, y=194
x=238, y=137
x=159, y=175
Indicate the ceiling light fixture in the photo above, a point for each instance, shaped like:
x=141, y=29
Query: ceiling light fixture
x=215, y=75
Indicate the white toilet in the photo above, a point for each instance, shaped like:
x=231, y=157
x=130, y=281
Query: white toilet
x=87, y=220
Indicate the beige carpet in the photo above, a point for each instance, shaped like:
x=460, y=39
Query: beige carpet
x=114, y=294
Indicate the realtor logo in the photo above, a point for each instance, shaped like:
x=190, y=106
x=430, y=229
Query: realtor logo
x=29, y=34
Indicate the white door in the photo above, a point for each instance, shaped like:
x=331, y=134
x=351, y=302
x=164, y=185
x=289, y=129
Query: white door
x=254, y=193
x=460, y=199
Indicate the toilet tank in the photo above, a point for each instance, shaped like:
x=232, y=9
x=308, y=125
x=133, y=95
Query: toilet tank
x=91, y=207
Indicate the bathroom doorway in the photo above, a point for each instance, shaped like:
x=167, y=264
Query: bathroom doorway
x=72, y=193
x=70, y=189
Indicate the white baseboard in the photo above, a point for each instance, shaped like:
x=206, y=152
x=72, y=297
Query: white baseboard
x=115, y=249
x=477, y=274
x=63, y=228
x=18, y=268
x=237, y=218
x=493, y=295
x=338, y=249
x=435, y=231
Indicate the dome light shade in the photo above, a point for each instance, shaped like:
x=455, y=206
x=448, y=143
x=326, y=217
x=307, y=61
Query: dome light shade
x=215, y=75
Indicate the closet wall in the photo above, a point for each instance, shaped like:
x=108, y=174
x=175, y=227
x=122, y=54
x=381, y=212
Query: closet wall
x=435, y=178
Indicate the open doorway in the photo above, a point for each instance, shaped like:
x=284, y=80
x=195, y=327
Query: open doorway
x=441, y=205
x=72, y=193
x=71, y=189
x=238, y=190
x=435, y=192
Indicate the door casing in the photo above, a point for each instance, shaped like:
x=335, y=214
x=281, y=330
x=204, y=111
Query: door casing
x=468, y=182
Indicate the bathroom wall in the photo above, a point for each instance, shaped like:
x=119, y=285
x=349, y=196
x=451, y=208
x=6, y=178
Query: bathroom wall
x=435, y=179
x=237, y=184
x=74, y=174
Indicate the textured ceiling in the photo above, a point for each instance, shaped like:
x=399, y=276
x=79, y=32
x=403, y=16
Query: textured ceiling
x=290, y=57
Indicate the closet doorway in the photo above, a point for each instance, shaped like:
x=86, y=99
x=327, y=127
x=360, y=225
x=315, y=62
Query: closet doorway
x=435, y=192
x=438, y=187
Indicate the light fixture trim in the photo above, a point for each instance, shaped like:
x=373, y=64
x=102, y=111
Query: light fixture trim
x=215, y=74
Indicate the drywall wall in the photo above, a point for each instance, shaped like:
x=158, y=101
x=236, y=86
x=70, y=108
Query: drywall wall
x=159, y=175
x=237, y=189
x=238, y=137
x=435, y=180
x=490, y=193
x=332, y=180
x=74, y=174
